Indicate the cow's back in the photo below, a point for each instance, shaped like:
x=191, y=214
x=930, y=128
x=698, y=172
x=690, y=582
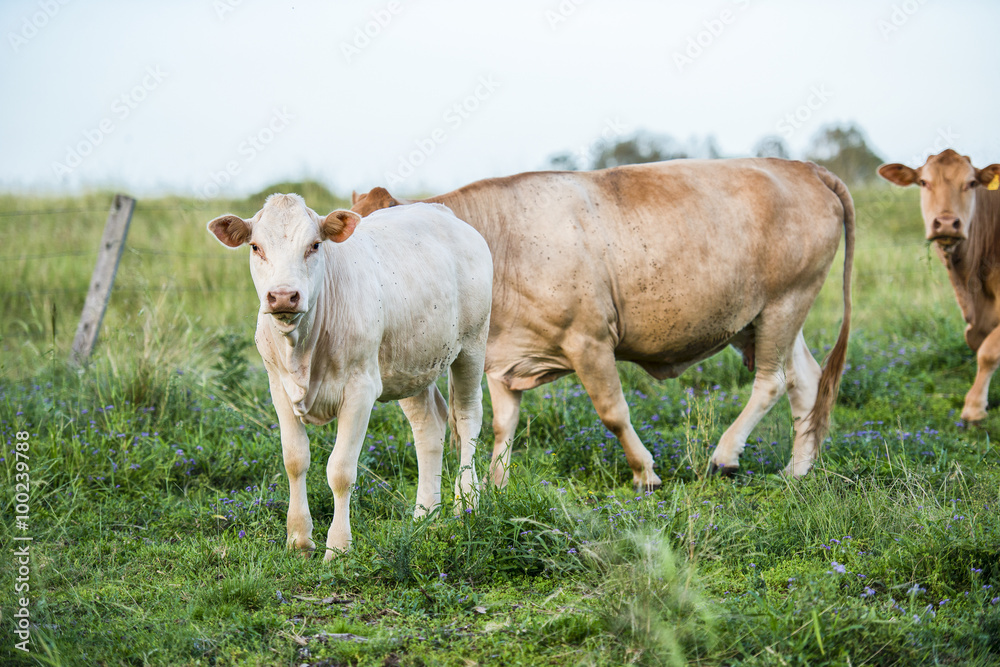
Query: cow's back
x=665, y=261
x=434, y=275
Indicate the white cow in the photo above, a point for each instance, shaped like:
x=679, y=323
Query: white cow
x=350, y=315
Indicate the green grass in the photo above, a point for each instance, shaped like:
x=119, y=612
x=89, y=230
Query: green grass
x=158, y=498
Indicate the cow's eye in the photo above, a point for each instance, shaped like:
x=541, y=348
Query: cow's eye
x=255, y=247
x=922, y=183
x=316, y=245
x=973, y=184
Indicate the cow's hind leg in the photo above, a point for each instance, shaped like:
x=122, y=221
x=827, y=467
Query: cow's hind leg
x=506, y=409
x=776, y=330
x=595, y=367
x=803, y=383
x=427, y=413
x=466, y=400
x=988, y=359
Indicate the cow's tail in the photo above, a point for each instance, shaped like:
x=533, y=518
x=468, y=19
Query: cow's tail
x=833, y=367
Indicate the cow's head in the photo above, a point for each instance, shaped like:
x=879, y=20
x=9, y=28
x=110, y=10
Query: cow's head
x=287, y=261
x=948, y=183
x=375, y=199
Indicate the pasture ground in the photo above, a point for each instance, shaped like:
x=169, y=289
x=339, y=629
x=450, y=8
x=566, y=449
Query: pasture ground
x=157, y=494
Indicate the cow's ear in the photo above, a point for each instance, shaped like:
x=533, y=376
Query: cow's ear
x=986, y=175
x=354, y=197
x=899, y=174
x=231, y=230
x=339, y=225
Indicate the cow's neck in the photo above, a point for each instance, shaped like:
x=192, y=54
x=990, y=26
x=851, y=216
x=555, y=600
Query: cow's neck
x=296, y=351
x=956, y=261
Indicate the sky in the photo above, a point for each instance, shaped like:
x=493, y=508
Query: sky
x=225, y=97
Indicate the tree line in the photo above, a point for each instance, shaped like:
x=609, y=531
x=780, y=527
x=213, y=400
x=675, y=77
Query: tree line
x=841, y=148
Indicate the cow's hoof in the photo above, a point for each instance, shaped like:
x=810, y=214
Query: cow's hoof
x=789, y=471
x=973, y=417
x=422, y=511
x=725, y=471
x=305, y=545
x=333, y=552
x=644, y=482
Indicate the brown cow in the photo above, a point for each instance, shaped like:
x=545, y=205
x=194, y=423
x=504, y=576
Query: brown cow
x=664, y=265
x=963, y=219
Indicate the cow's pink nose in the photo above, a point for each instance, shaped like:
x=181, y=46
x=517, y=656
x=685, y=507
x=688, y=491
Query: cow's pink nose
x=948, y=225
x=281, y=301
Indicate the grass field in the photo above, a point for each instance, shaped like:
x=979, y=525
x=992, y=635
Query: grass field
x=157, y=494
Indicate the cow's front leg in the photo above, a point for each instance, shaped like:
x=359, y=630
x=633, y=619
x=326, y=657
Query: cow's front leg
x=506, y=409
x=987, y=358
x=295, y=452
x=342, y=466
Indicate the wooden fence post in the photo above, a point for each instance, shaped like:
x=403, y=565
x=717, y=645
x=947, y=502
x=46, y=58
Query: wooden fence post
x=108, y=256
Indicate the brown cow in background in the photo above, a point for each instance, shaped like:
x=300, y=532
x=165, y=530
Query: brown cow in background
x=663, y=265
x=962, y=216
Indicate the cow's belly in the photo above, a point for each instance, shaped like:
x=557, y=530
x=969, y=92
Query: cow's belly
x=664, y=331
x=683, y=335
x=396, y=383
x=403, y=383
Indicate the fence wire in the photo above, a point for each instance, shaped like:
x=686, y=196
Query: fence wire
x=125, y=289
x=140, y=251
x=51, y=211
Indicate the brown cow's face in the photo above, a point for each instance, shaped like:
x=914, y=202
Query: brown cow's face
x=948, y=184
x=287, y=263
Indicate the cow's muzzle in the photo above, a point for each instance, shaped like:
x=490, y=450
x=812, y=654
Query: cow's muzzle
x=284, y=302
x=946, y=231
